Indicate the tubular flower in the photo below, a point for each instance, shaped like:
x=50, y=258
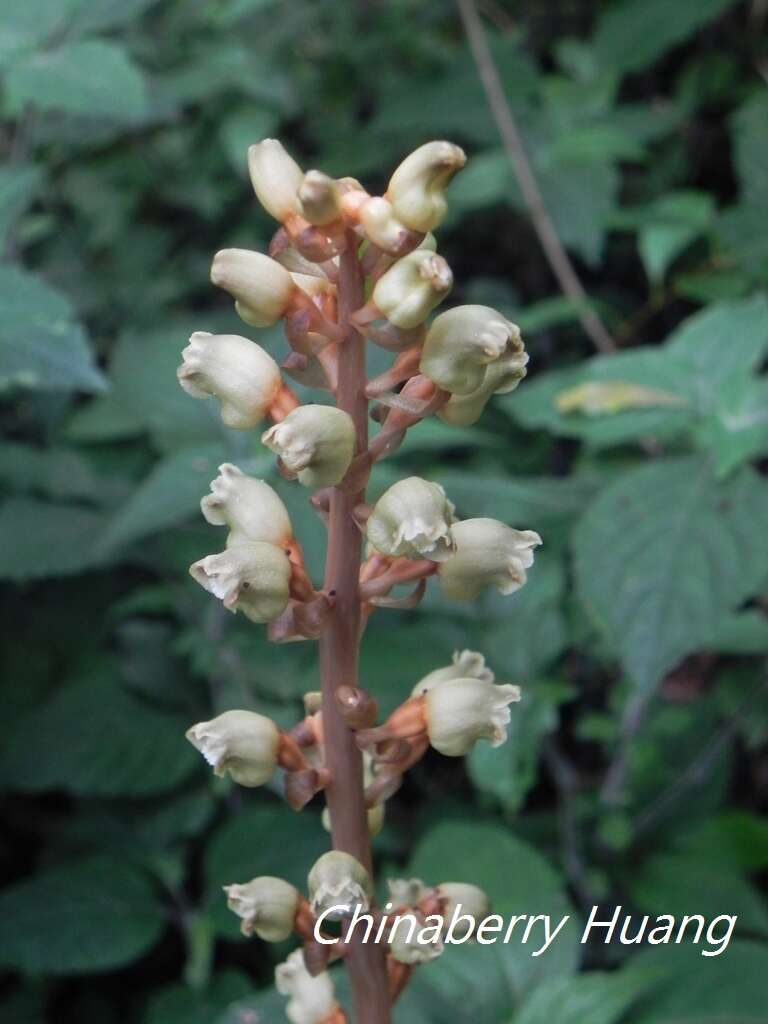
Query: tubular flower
x=413, y=519
x=312, y=998
x=252, y=578
x=238, y=372
x=501, y=376
x=463, y=711
x=338, y=880
x=410, y=290
x=466, y=665
x=266, y=905
x=488, y=553
x=468, y=900
x=261, y=287
x=462, y=342
x=417, y=188
x=249, y=507
x=319, y=198
x=276, y=178
x=239, y=742
x=316, y=442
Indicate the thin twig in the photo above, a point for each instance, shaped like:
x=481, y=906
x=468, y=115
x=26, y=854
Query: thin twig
x=566, y=782
x=512, y=141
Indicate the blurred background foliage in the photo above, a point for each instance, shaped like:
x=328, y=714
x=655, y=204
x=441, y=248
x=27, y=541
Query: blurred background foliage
x=637, y=769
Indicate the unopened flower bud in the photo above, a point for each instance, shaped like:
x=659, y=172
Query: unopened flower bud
x=413, y=518
x=276, y=178
x=312, y=998
x=239, y=742
x=261, y=287
x=488, y=553
x=338, y=880
x=410, y=290
x=238, y=372
x=319, y=197
x=468, y=900
x=316, y=442
x=266, y=905
x=249, y=507
x=501, y=376
x=413, y=941
x=465, y=665
x=417, y=188
x=461, y=712
x=462, y=342
x=252, y=578
x=382, y=226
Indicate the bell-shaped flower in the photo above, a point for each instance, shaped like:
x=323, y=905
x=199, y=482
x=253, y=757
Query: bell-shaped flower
x=468, y=901
x=314, y=442
x=414, y=939
x=261, y=287
x=320, y=198
x=406, y=892
x=462, y=342
x=501, y=376
x=408, y=292
x=249, y=507
x=252, y=578
x=238, y=372
x=413, y=519
x=465, y=665
x=338, y=881
x=240, y=743
x=276, y=178
x=488, y=553
x=417, y=188
x=463, y=711
x=266, y=905
x=312, y=999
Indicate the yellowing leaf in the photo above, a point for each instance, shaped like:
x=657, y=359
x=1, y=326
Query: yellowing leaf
x=598, y=398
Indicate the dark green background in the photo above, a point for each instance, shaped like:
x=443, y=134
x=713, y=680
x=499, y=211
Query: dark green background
x=637, y=767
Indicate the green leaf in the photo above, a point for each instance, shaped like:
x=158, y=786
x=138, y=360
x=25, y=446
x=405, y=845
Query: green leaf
x=102, y=15
x=734, y=838
x=92, y=78
x=743, y=633
x=676, y=219
x=47, y=539
x=52, y=472
x=680, y=885
x=737, y=429
x=694, y=364
x=630, y=36
x=40, y=344
x=519, y=500
x=94, y=739
x=180, y=1004
x=145, y=396
x=595, y=997
x=663, y=553
x=247, y=845
x=89, y=915
x=493, y=978
x=18, y=186
x=241, y=129
x=169, y=495
x=725, y=989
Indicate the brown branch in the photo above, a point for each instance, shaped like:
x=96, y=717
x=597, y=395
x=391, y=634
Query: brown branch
x=512, y=141
x=339, y=644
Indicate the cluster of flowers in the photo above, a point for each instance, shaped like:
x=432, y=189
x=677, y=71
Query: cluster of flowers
x=450, y=709
x=449, y=368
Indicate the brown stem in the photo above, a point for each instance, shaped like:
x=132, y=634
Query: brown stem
x=512, y=142
x=339, y=643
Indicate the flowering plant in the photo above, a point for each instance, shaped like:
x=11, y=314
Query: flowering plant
x=347, y=269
